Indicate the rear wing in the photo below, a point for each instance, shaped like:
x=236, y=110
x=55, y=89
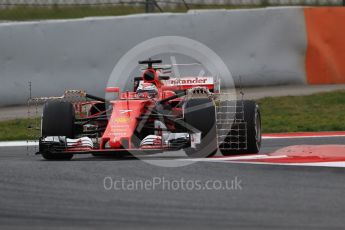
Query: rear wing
x=184, y=83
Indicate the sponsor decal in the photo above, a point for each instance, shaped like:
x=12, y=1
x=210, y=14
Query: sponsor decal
x=126, y=111
x=122, y=120
x=190, y=81
x=120, y=134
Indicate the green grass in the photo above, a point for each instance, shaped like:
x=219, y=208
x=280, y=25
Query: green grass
x=19, y=129
x=318, y=112
x=23, y=13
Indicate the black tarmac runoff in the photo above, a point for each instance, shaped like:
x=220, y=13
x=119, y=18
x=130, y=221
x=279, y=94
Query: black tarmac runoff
x=108, y=193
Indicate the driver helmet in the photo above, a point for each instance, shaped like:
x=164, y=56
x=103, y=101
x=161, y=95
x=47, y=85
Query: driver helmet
x=147, y=90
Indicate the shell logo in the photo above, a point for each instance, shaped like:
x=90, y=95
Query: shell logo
x=122, y=120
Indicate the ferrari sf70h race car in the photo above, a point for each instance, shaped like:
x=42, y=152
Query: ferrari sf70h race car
x=160, y=114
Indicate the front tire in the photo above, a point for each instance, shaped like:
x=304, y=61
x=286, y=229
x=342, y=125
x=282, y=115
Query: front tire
x=57, y=120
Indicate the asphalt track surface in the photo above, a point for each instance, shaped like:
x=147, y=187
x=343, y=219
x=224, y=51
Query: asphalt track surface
x=37, y=194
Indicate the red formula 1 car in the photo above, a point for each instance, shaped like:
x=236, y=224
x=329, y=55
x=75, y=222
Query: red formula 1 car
x=160, y=114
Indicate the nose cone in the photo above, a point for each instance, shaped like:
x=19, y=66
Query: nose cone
x=115, y=143
x=123, y=122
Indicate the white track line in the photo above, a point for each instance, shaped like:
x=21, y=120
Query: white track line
x=242, y=160
x=235, y=158
x=18, y=143
x=335, y=164
x=296, y=137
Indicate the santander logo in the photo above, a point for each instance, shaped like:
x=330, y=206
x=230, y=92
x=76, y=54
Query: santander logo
x=190, y=81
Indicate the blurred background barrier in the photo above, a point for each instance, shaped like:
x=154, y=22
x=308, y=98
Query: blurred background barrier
x=325, y=56
x=263, y=46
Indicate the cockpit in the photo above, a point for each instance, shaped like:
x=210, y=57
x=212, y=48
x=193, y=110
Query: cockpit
x=147, y=90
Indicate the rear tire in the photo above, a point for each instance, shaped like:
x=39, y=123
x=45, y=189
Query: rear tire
x=253, y=119
x=200, y=113
x=58, y=120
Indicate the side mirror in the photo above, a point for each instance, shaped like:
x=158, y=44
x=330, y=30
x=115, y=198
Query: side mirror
x=112, y=90
x=115, y=90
